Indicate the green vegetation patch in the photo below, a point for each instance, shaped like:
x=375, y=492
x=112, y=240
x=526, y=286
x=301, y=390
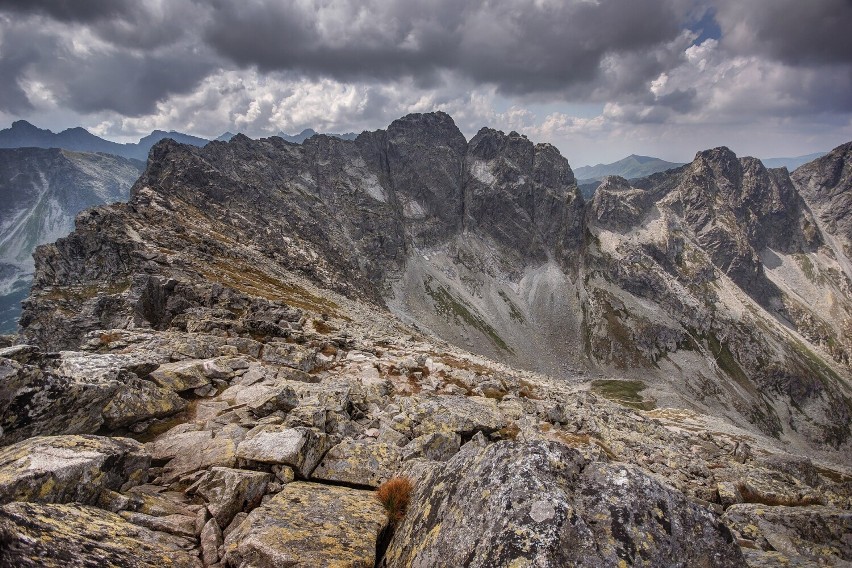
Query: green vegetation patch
x=625, y=393
x=446, y=304
x=514, y=312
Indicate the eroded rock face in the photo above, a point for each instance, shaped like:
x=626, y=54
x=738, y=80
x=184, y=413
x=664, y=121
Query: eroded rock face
x=294, y=528
x=67, y=396
x=542, y=504
x=825, y=184
x=61, y=469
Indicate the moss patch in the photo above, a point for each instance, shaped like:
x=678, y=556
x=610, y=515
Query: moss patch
x=451, y=307
x=514, y=312
x=625, y=393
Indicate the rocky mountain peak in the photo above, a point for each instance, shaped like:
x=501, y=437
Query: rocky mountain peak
x=24, y=126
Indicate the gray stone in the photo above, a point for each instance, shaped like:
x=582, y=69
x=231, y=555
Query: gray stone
x=543, y=504
x=299, y=448
x=359, y=462
x=228, y=491
x=57, y=536
x=60, y=469
x=308, y=524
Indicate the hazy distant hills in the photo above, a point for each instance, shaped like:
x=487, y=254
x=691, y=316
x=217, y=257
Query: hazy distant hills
x=308, y=132
x=632, y=166
x=791, y=163
x=22, y=134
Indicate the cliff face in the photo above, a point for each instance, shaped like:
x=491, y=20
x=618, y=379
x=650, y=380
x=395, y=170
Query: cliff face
x=285, y=327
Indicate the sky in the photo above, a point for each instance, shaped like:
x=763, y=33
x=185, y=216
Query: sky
x=599, y=79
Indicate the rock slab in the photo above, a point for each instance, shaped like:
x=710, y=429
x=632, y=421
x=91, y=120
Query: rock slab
x=309, y=524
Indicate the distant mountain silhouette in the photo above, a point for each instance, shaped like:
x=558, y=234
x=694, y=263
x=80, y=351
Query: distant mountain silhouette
x=632, y=166
x=791, y=163
x=308, y=132
x=22, y=134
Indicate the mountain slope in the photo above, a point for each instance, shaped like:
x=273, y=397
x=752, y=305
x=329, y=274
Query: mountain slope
x=22, y=134
x=696, y=278
x=42, y=191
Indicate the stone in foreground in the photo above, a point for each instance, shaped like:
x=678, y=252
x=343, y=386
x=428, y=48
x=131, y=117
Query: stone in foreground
x=542, y=504
x=359, y=462
x=300, y=448
x=307, y=525
x=229, y=491
x=59, y=469
x=58, y=536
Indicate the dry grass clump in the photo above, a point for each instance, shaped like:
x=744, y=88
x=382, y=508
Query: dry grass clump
x=394, y=494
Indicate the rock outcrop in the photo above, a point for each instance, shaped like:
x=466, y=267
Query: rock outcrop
x=543, y=504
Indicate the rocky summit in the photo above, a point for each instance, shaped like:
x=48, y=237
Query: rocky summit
x=222, y=371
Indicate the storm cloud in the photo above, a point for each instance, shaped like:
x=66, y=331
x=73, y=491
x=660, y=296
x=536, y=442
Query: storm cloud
x=124, y=66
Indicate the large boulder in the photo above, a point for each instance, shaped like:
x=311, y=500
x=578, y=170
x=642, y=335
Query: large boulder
x=465, y=415
x=542, y=504
x=300, y=448
x=60, y=469
x=58, y=536
x=359, y=462
x=308, y=524
x=186, y=452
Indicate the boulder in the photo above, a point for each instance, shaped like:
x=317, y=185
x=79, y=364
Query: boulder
x=308, y=524
x=60, y=469
x=62, y=535
x=181, y=375
x=187, y=452
x=438, y=446
x=300, y=448
x=211, y=540
x=359, y=462
x=810, y=535
x=542, y=504
x=425, y=414
x=229, y=491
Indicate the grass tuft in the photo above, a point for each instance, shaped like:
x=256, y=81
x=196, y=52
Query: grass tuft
x=394, y=495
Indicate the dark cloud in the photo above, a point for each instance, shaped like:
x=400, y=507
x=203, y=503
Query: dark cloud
x=522, y=47
x=679, y=100
x=70, y=10
x=796, y=32
x=90, y=79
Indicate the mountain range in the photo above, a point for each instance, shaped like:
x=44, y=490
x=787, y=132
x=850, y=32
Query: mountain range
x=308, y=132
x=657, y=375
x=22, y=134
